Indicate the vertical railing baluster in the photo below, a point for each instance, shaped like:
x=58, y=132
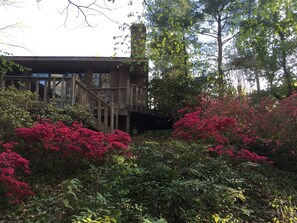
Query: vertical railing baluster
x=45, y=90
x=105, y=118
x=99, y=114
x=63, y=92
x=54, y=89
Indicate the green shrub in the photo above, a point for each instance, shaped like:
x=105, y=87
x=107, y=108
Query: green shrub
x=286, y=210
x=56, y=205
x=67, y=114
x=18, y=108
x=14, y=109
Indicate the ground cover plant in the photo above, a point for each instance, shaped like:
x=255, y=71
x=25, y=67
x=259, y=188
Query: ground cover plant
x=163, y=180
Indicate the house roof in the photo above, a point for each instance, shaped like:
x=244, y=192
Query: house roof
x=58, y=64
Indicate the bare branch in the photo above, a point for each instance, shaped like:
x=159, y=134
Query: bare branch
x=207, y=34
x=228, y=39
x=93, y=8
x=8, y=2
x=15, y=25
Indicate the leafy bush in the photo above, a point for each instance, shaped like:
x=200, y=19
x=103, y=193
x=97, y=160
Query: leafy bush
x=172, y=92
x=66, y=114
x=180, y=182
x=57, y=205
x=176, y=181
x=14, y=106
x=18, y=108
x=286, y=211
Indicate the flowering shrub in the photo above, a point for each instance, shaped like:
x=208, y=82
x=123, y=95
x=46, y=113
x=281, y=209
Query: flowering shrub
x=74, y=141
x=58, y=149
x=278, y=129
x=242, y=154
x=227, y=123
x=10, y=162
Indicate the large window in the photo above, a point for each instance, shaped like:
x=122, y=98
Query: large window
x=101, y=80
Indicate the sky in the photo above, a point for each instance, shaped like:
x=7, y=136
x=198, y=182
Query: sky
x=41, y=29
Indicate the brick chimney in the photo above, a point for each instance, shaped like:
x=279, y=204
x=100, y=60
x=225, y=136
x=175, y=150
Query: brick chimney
x=138, y=40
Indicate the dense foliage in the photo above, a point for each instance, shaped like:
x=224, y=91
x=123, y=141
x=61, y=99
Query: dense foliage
x=53, y=149
x=164, y=181
x=170, y=94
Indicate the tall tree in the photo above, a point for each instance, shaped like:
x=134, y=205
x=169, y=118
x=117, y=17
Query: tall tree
x=171, y=39
x=270, y=33
x=220, y=23
x=172, y=49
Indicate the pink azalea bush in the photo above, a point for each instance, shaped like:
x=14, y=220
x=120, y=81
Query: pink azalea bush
x=237, y=123
x=229, y=123
x=53, y=148
x=74, y=141
x=10, y=163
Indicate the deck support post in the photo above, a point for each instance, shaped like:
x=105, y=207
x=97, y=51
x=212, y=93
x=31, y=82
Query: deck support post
x=105, y=119
x=112, y=117
x=128, y=122
x=73, y=92
x=117, y=117
x=128, y=94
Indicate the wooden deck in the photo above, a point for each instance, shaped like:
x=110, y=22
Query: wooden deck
x=105, y=104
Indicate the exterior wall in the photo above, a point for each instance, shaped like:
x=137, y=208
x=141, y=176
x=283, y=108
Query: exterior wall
x=119, y=77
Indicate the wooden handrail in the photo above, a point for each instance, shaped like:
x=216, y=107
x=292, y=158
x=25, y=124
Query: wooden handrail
x=132, y=97
x=91, y=93
x=102, y=109
x=47, y=87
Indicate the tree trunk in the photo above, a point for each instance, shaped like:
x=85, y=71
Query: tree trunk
x=185, y=57
x=256, y=70
x=287, y=75
x=220, y=57
x=257, y=81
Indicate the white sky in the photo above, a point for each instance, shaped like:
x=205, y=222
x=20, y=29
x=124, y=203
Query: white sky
x=40, y=29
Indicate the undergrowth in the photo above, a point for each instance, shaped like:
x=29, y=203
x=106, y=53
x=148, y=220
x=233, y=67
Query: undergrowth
x=164, y=180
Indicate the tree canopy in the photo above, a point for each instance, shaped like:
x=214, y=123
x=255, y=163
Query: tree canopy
x=217, y=38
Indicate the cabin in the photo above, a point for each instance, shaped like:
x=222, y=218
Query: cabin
x=114, y=89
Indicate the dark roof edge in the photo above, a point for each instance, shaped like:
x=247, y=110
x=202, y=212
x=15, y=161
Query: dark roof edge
x=71, y=58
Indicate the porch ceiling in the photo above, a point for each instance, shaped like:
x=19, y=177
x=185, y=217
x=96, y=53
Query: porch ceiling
x=49, y=64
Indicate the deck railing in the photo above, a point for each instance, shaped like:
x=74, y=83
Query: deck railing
x=131, y=97
x=105, y=104
x=105, y=116
x=67, y=90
